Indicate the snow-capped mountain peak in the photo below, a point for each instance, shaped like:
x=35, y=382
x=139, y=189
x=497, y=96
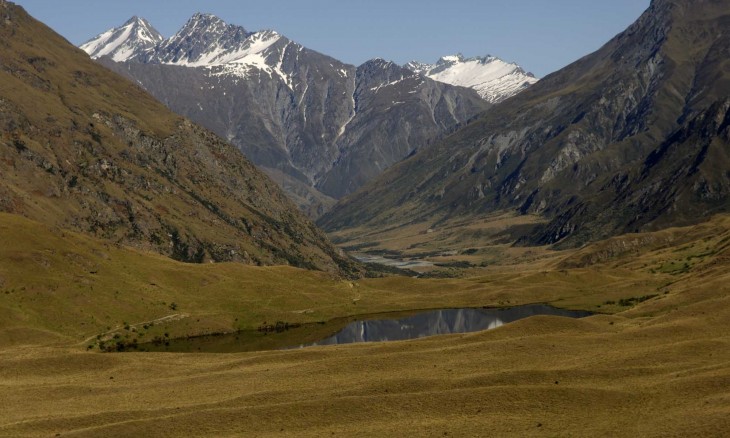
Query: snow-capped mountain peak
x=383, y=66
x=385, y=70
x=418, y=67
x=204, y=41
x=207, y=28
x=451, y=59
x=495, y=80
x=206, y=23
x=378, y=73
x=127, y=41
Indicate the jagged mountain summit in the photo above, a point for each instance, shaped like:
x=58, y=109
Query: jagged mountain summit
x=84, y=149
x=633, y=137
x=321, y=128
x=206, y=40
x=495, y=80
x=133, y=38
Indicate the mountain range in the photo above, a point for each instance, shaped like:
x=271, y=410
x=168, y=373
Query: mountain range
x=633, y=137
x=84, y=149
x=630, y=138
x=319, y=127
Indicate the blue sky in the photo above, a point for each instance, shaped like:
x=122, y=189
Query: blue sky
x=540, y=35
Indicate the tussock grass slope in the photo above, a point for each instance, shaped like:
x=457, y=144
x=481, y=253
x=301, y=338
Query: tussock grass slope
x=660, y=367
x=63, y=286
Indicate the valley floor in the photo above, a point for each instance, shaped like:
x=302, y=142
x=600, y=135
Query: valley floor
x=657, y=368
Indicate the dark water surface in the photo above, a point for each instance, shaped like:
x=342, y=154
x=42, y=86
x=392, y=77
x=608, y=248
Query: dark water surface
x=375, y=328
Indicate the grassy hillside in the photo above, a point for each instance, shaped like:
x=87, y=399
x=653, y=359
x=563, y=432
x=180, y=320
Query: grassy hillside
x=82, y=148
x=652, y=368
x=59, y=286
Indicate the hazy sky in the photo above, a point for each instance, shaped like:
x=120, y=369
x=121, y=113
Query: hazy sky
x=540, y=35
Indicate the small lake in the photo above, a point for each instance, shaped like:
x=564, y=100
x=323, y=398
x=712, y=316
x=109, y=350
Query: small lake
x=373, y=328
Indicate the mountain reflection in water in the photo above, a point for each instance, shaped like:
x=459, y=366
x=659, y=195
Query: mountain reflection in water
x=438, y=322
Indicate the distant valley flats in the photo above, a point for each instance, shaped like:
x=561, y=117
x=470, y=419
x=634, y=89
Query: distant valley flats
x=317, y=126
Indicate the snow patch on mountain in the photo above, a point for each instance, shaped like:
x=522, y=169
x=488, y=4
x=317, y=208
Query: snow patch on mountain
x=133, y=38
x=387, y=84
x=495, y=80
x=248, y=52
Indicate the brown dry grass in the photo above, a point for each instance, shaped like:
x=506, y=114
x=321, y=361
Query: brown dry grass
x=434, y=234
x=661, y=368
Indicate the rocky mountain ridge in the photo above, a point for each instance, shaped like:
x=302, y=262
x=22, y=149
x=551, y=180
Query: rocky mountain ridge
x=633, y=137
x=319, y=127
x=132, y=39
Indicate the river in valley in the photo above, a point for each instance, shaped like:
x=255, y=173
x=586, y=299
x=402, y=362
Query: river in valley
x=396, y=263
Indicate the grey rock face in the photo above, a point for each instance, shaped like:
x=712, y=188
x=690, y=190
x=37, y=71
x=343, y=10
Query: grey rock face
x=397, y=112
x=320, y=127
x=202, y=35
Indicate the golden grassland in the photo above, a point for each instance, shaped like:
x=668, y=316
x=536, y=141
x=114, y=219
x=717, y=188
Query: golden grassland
x=656, y=368
x=480, y=240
